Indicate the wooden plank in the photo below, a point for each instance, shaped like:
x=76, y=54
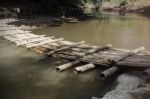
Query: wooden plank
x=34, y=40
x=42, y=43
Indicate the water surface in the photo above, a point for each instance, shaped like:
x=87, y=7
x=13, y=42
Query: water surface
x=129, y=31
x=23, y=76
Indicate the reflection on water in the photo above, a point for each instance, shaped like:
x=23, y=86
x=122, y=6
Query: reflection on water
x=129, y=31
x=22, y=76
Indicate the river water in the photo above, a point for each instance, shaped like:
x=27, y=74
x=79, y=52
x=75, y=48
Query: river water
x=129, y=31
x=23, y=76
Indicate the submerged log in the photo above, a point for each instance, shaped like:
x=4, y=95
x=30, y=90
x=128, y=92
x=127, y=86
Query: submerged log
x=84, y=68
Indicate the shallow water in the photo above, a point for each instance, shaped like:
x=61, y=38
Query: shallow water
x=23, y=76
x=129, y=31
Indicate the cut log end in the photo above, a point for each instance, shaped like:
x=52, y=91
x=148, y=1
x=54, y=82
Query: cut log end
x=84, y=68
x=105, y=74
x=67, y=66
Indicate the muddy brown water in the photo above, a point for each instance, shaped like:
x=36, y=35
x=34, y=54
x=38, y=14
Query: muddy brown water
x=23, y=76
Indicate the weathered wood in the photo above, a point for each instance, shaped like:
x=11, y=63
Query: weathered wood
x=42, y=43
x=125, y=55
x=66, y=66
x=108, y=72
x=34, y=40
x=84, y=68
x=99, y=48
x=65, y=47
x=146, y=73
x=115, y=69
x=79, y=52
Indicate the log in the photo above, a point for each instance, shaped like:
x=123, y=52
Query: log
x=84, y=68
x=34, y=40
x=146, y=73
x=115, y=69
x=108, y=46
x=66, y=66
x=125, y=55
x=108, y=72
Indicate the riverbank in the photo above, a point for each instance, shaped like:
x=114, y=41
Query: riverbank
x=140, y=6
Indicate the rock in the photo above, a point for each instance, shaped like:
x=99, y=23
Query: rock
x=130, y=86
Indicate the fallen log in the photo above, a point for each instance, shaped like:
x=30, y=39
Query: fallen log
x=70, y=64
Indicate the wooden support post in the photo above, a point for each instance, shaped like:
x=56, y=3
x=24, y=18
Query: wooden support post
x=66, y=66
x=108, y=72
x=146, y=73
x=84, y=68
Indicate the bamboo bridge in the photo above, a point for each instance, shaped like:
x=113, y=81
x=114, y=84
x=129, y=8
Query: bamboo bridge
x=92, y=56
